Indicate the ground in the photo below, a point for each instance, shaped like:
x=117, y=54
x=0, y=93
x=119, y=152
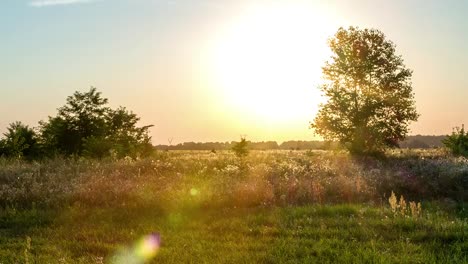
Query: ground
x=201, y=207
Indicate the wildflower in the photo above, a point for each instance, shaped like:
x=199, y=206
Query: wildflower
x=415, y=209
x=393, y=202
x=402, y=205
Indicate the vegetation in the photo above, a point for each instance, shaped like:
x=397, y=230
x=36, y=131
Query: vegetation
x=458, y=142
x=370, y=100
x=422, y=142
x=413, y=142
x=84, y=126
x=241, y=148
x=270, y=207
x=20, y=141
x=303, y=234
x=262, y=145
x=88, y=187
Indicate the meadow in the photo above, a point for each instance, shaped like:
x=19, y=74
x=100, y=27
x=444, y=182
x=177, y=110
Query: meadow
x=212, y=207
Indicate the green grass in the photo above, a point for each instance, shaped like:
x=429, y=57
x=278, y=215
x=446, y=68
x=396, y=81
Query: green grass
x=309, y=234
x=270, y=207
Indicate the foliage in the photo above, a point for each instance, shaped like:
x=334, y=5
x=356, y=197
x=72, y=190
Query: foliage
x=331, y=201
x=458, y=142
x=370, y=99
x=126, y=137
x=241, y=148
x=262, y=145
x=261, y=178
x=82, y=117
x=86, y=126
x=413, y=142
x=20, y=141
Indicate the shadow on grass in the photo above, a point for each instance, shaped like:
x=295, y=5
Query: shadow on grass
x=21, y=223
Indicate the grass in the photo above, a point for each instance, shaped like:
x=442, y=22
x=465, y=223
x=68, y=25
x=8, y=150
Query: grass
x=272, y=207
x=299, y=234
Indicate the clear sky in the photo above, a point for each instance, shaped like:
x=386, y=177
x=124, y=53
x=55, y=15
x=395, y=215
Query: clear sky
x=211, y=70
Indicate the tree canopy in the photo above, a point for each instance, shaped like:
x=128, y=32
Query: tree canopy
x=20, y=141
x=86, y=126
x=369, y=91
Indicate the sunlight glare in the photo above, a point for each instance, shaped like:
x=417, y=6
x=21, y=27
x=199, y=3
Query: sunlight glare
x=268, y=63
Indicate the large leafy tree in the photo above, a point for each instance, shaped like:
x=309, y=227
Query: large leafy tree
x=85, y=125
x=82, y=117
x=368, y=87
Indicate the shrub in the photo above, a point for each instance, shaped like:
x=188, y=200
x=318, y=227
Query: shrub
x=457, y=142
x=241, y=148
x=20, y=141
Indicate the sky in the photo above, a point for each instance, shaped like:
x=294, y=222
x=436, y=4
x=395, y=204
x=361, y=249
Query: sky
x=212, y=70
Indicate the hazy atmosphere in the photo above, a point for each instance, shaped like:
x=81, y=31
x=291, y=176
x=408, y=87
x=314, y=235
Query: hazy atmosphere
x=211, y=131
x=212, y=70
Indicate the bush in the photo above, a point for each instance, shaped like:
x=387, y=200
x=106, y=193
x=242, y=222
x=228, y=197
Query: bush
x=241, y=148
x=20, y=141
x=457, y=142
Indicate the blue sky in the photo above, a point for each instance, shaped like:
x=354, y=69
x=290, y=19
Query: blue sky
x=149, y=56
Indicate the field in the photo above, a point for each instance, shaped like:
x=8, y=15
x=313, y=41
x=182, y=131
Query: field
x=204, y=207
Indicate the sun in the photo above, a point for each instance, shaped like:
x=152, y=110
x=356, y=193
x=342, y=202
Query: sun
x=267, y=63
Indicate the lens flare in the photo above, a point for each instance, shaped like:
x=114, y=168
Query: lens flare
x=143, y=251
x=194, y=192
x=148, y=247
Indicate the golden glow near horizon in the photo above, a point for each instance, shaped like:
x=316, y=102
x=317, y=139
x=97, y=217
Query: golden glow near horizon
x=267, y=62
x=211, y=70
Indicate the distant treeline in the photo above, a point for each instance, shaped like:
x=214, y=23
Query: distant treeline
x=411, y=142
x=419, y=141
x=263, y=145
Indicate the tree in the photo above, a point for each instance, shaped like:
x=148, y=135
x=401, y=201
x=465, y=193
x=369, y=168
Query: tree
x=370, y=99
x=20, y=142
x=241, y=148
x=124, y=135
x=86, y=126
x=81, y=118
x=457, y=143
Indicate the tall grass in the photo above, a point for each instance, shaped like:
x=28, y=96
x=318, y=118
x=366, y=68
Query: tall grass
x=268, y=207
x=264, y=178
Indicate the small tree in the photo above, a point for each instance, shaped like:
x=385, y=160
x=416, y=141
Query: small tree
x=457, y=142
x=370, y=99
x=241, y=148
x=20, y=142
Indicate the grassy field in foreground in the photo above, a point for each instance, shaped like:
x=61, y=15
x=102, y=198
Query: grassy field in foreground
x=202, y=207
x=310, y=234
